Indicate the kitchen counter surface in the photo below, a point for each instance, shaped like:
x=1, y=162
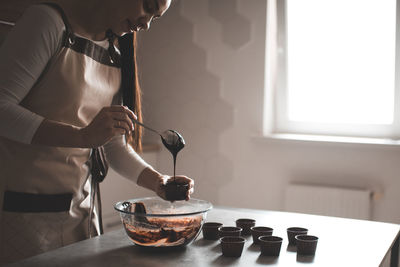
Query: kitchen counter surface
x=342, y=242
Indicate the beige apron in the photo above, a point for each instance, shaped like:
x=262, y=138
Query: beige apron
x=78, y=82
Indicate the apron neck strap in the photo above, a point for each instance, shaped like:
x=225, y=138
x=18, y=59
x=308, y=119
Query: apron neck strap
x=69, y=37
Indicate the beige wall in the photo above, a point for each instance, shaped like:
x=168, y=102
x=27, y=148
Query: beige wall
x=202, y=70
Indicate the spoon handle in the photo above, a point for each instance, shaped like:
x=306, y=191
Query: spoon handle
x=144, y=126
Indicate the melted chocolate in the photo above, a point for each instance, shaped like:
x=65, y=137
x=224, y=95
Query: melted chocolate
x=180, y=233
x=174, y=142
x=140, y=209
x=161, y=231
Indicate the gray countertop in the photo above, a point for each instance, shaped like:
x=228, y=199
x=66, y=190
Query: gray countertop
x=342, y=242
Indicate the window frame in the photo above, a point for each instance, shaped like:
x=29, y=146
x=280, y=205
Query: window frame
x=276, y=71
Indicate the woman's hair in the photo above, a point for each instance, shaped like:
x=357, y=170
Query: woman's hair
x=130, y=85
x=137, y=134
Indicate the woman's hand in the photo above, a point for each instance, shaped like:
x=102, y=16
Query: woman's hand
x=166, y=186
x=179, y=187
x=109, y=122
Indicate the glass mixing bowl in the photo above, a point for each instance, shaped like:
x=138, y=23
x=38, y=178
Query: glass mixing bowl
x=154, y=222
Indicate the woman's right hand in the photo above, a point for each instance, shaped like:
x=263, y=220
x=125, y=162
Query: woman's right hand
x=109, y=122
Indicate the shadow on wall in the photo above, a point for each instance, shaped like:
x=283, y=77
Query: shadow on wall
x=4, y=29
x=2, y=38
x=180, y=93
x=235, y=28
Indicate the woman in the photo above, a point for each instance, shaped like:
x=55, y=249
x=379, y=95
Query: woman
x=60, y=96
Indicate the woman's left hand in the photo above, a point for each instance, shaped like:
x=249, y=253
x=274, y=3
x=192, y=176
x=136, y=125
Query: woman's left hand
x=179, y=187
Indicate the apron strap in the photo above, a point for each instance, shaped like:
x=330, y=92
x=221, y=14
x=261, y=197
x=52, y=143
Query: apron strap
x=99, y=164
x=115, y=57
x=95, y=196
x=29, y=202
x=98, y=168
x=69, y=38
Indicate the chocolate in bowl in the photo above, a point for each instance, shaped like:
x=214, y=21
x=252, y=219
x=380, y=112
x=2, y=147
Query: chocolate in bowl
x=154, y=222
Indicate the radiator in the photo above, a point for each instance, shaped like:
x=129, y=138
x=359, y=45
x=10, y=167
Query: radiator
x=330, y=201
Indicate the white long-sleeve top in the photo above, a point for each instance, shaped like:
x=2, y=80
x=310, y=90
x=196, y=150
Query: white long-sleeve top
x=24, y=55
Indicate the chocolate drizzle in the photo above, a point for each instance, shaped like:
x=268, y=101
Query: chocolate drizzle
x=174, y=142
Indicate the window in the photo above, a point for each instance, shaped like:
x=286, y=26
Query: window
x=335, y=71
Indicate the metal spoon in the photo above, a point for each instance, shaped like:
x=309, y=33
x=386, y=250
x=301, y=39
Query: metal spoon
x=171, y=139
